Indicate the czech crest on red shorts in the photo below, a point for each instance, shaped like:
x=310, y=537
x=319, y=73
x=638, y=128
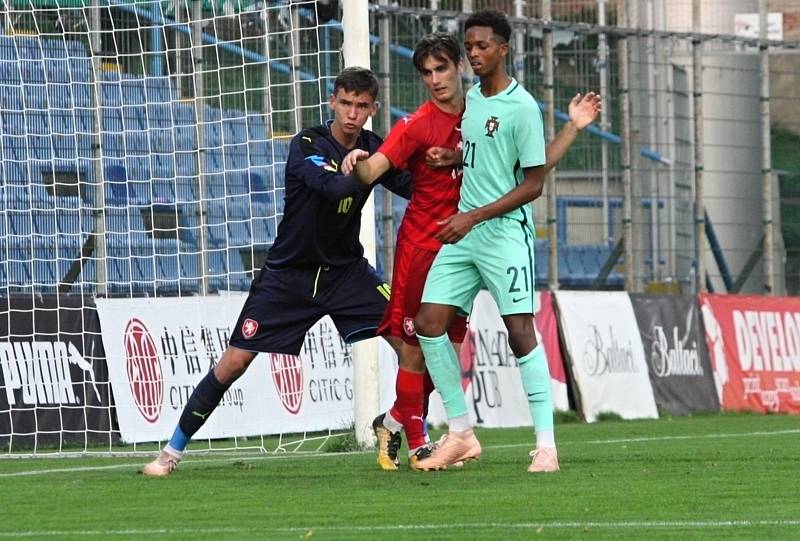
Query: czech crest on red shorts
x=249, y=328
x=287, y=374
x=408, y=326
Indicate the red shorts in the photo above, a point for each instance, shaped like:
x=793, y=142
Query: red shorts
x=411, y=266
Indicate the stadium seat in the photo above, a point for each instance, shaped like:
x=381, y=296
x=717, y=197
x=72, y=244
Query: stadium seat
x=80, y=70
x=186, y=164
x=20, y=273
x=29, y=48
x=264, y=225
x=118, y=273
x=35, y=97
x=133, y=92
x=56, y=70
x=226, y=271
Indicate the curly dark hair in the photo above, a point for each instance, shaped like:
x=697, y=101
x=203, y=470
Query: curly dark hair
x=439, y=45
x=493, y=19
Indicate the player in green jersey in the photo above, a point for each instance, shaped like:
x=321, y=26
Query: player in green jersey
x=489, y=242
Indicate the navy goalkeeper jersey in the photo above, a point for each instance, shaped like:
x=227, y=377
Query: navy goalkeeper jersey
x=322, y=207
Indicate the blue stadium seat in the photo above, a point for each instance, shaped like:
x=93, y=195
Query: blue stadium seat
x=216, y=223
x=13, y=118
x=259, y=192
x=3, y=273
x=133, y=92
x=134, y=117
x=32, y=71
x=37, y=122
x=56, y=70
x=82, y=96
x=117, y=189
x=212, y=134
x=35, y=97
x=162, y=166
x=15, y=170
x=54, y=48
x=159, y=115
x=20, y=222
x=29, y=48
x=161, y=140
x=39, y=146
x=191, y=276
x=44, y=222
x=226, y=270
x=264, y=224
x=111, y=119
x=113, y=145
x=80, y=69
x=143, y=272
x=118, y=273
x=186, y=164
x=236, y=158
x=44, y=267
x=214, y=161
x=60, y=97
x=7, y=49
x=137, y=168
x=20, y=274
x=136, y=142
x=234, y=128
x=9, y=72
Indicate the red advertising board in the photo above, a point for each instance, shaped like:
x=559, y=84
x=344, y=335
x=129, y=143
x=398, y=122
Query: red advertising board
x=754, y=348
x=547, y=325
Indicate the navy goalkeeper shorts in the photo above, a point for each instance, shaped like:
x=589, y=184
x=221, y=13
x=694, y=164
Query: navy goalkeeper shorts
x=284, y=304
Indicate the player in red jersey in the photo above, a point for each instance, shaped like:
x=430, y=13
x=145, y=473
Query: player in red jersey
x=424, y=143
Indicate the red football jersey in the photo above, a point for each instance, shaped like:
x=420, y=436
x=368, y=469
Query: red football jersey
x=434, y=192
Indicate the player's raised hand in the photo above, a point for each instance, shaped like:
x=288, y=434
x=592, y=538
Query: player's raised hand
x=442, y=157
x=353, y=157
x=583, y=110
x=455, y=227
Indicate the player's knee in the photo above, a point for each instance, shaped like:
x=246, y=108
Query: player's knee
x=233, y=364
x=427, y=325
x=521, y=338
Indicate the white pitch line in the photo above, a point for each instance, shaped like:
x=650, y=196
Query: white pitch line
x=558, y=525
x=697, y=437
x=223, y=460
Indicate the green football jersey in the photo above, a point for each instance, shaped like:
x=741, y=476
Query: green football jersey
x=500, y=135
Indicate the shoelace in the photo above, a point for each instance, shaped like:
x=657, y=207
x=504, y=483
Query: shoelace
x=394, y=444
x=535, y=452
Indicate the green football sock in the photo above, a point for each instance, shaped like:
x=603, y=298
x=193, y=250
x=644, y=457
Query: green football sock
x=445, y=371
x=536, y=382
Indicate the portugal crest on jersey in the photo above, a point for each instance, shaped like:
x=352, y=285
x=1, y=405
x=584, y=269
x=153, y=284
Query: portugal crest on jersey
x=492, y=124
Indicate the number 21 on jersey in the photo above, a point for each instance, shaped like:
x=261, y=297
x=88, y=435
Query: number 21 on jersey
x=468, y=158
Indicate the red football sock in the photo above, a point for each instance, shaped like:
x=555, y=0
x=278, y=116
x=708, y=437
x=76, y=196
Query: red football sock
x=408, y=406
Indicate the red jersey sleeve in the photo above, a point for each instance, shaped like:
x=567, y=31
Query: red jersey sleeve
x=402, y=142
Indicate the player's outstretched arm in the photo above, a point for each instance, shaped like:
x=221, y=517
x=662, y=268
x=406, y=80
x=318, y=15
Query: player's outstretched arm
x=365, y=168
x=583, y=110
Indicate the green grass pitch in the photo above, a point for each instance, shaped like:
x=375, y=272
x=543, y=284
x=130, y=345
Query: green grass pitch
x=705, y=477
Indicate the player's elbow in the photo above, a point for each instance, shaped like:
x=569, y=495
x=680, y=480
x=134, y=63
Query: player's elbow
x=535, y=190
x=534, y=179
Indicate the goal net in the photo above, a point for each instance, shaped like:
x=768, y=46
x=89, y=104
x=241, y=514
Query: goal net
x=143, y=151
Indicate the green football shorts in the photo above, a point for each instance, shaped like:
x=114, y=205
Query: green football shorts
x=496, y=254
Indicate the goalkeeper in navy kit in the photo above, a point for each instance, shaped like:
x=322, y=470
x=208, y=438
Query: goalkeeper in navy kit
x=316, y=265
